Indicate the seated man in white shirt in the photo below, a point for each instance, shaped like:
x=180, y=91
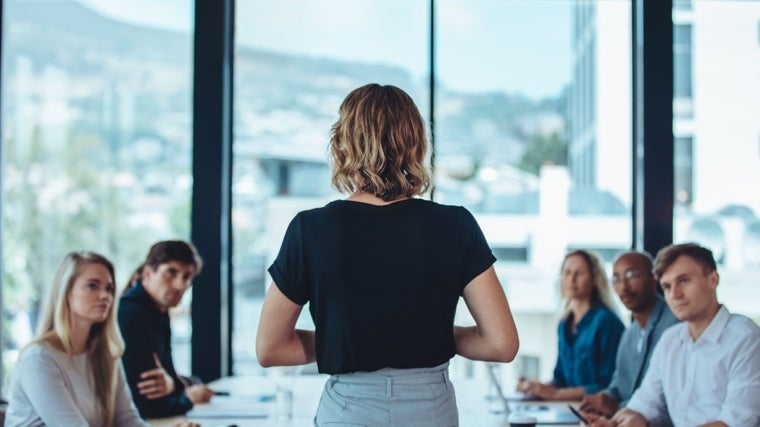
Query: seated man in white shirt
x=704, y=371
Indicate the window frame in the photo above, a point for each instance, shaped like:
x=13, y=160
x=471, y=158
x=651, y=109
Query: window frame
x=653, y=191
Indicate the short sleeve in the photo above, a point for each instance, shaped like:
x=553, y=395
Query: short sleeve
x=477, y=254
x=288, y=268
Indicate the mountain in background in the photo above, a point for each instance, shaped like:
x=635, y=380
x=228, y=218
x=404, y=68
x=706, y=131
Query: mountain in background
x=151, y=69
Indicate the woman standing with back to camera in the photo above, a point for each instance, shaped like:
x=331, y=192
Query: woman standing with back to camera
x=382, y=272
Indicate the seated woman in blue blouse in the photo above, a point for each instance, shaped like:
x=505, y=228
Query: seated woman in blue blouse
x=589, y=333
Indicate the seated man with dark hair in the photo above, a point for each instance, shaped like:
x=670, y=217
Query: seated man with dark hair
x=155, y=287
x=706, y=370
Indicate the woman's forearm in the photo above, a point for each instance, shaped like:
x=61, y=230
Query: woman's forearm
x=278, y=342
x=472, y=344
x=296, y=349
x=494, y=336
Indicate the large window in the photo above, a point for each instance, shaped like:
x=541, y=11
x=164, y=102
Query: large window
x=716, y=155
x=532, y=129
x=682, y=69
x=295, y=61
x=532, y=133
x=96, y=144
x=533, y=136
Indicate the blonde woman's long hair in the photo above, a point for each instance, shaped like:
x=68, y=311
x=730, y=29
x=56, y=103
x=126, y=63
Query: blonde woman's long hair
x=379, y=144
x=104, y=344
x=601, y=292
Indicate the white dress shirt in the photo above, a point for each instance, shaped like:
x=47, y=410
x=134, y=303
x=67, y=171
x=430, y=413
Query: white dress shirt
x=715, y=378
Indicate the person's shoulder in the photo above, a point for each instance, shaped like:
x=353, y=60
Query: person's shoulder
x=133, y=294
x=605, y=314
x=741, y=326
x=662, y=317
x=318, y=212
x=667, y=316
x=39, y=353
x=130, y=301
x=453, y=212
x=561, y=323
x=133, y=305
x=429, y=204
x=34, y=349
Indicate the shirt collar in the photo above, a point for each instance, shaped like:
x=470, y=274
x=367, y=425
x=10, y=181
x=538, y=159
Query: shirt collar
x=716, y=326
x=713, y=330
x=586, y=318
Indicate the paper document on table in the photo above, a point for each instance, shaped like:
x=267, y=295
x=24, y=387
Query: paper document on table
x=546, y=413
x=229, y=407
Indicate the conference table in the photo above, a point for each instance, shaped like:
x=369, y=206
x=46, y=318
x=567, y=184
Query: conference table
x=253, y=401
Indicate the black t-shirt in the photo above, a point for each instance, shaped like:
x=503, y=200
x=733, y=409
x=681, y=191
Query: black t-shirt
x=382, y=282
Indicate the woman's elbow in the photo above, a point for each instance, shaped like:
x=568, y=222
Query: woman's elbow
x=265, y=361
x=506, y=350
x=266, y=354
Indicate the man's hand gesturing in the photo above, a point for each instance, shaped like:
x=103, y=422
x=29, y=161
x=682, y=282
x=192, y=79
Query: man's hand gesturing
x=155, y=383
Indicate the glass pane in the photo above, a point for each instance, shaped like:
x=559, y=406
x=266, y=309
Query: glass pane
x=533, y=135
x=717, y=151
x=295, y=61
x=96, y=144
x=682, y=69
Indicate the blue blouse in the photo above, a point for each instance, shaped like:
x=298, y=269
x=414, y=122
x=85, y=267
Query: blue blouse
x=587, y=358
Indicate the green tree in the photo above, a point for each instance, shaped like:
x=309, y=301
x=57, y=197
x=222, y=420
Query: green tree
x=541, y=150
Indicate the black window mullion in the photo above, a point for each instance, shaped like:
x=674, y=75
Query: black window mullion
x=653, y=182
x=212, y=176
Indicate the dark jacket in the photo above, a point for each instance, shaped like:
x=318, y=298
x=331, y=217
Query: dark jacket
x=146, y=331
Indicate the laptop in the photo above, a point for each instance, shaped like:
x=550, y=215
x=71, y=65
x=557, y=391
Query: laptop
x=548, y=413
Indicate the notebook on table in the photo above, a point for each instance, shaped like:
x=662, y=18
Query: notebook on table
x=230, y=407
x=547, y=413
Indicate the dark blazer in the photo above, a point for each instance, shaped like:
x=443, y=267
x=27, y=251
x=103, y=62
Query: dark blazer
x=146, y=331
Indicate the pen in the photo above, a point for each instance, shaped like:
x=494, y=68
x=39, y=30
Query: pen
x=221, y=393
x=578, y=414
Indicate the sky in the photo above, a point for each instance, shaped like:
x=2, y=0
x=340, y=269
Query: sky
x=518, y=46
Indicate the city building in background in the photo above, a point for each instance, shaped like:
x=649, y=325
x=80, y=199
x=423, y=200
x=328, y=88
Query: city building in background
x=716, y=126
x=532, y=111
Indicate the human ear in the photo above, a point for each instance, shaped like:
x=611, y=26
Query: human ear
x=714, y=279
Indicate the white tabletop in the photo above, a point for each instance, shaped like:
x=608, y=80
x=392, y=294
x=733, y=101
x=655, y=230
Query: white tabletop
x=258, y=393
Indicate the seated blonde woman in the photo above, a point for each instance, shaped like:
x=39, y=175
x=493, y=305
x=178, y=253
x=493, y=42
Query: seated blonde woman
x=70, y=374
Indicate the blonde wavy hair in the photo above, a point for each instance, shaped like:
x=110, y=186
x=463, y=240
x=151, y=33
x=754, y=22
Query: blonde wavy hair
x=601, y=292
x=379, y=144
x=104, y=343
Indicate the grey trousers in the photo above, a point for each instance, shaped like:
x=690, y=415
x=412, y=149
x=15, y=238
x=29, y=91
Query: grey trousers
x=419, y=397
